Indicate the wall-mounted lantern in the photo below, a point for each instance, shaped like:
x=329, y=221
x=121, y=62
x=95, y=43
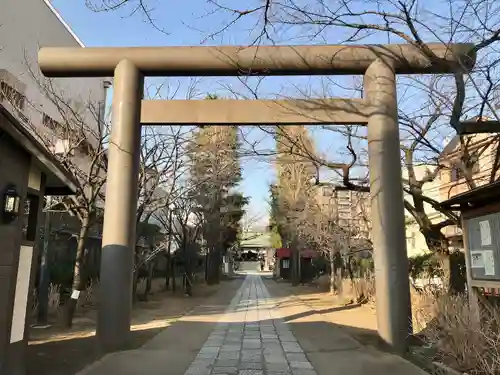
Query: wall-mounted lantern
x=11, y=202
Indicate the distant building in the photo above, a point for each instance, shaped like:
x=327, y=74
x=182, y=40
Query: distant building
x=450, y=181
x=483, y=163
x=415, y=241
x=21, y=93
x=350, y=209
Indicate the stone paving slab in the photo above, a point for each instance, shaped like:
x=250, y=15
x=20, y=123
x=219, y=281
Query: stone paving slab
x=250, y=337
x=329, y=349
x=173, y=350
x=258, y=343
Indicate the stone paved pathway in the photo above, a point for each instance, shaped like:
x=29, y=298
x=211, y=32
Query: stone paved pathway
x=250, y=339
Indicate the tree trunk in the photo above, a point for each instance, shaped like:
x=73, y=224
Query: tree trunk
x=216, y=267
x=78, y=277
x=338, y=272
x=213, y=266
x=453, y=267
x=44, y=280
x=149, y=277
x=207, y=260
x=209, y=267
x=135, y=277
x=339, y=281
x=332, y=272
x=189, y=278
x=149, y=280
x=172, y=271
x=295, y=266
x=167, y=272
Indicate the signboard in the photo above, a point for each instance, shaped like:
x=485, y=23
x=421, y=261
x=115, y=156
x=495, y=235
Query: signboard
x=483, y=237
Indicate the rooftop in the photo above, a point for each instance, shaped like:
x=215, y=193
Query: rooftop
x=63, y=22
x=59, y=180
x=477, y=197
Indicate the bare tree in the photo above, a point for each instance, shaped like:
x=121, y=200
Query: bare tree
x=162, y=166
x=182, y=221
x=215, y=171
x=294, y=197
x=78, y=140
x=431, y=109
x=321, y=231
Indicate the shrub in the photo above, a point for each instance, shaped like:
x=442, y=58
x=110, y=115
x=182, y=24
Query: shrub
x=460, y=339
x=425, y=265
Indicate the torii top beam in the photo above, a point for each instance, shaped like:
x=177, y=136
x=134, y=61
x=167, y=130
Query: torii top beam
x=255, y=60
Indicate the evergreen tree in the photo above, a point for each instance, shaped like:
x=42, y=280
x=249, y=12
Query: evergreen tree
x=215, y=173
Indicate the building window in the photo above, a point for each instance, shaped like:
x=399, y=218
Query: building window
x=11, y=95
x=344, y=215
x=52, y=124
x=473, y=163
x=343, y=197
x=63, y=147
x=455, y=174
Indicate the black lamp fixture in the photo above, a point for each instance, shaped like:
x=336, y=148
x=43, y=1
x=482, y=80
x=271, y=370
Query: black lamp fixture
x=11, y=202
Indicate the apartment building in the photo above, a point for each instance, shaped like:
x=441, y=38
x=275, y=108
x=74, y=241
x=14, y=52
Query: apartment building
x=350, y=209
x=27, y=25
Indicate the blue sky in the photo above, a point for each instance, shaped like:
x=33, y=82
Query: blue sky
x=189, y=23
x=187, y=28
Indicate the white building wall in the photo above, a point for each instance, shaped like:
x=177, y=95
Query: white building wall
x=415, y=241
x=25, y=26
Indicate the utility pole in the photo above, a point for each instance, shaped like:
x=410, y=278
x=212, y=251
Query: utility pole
x=169, y=247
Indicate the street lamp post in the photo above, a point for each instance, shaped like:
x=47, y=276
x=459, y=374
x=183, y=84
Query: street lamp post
x=169, y=248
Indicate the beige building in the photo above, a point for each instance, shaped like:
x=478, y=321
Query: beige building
x=350, y=209
x=453, y=178
x=481, y=169
x=293, y=143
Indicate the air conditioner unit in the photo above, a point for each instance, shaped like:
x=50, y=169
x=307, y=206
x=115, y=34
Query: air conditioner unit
x=61, y=146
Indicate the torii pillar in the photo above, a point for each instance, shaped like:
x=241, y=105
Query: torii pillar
x=379, y=63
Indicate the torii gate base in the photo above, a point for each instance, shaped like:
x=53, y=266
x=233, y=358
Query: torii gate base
x=378, y=109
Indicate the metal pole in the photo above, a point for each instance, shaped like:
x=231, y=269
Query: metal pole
x=44, y=280
x=386, y=193
x=119, y=229
x=169, y=247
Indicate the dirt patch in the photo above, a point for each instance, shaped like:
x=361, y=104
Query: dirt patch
x=59, y=351
x=358, y=321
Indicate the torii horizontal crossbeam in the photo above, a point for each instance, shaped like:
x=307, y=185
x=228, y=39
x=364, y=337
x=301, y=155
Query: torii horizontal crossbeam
x=251, y=112
x=255, y=60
